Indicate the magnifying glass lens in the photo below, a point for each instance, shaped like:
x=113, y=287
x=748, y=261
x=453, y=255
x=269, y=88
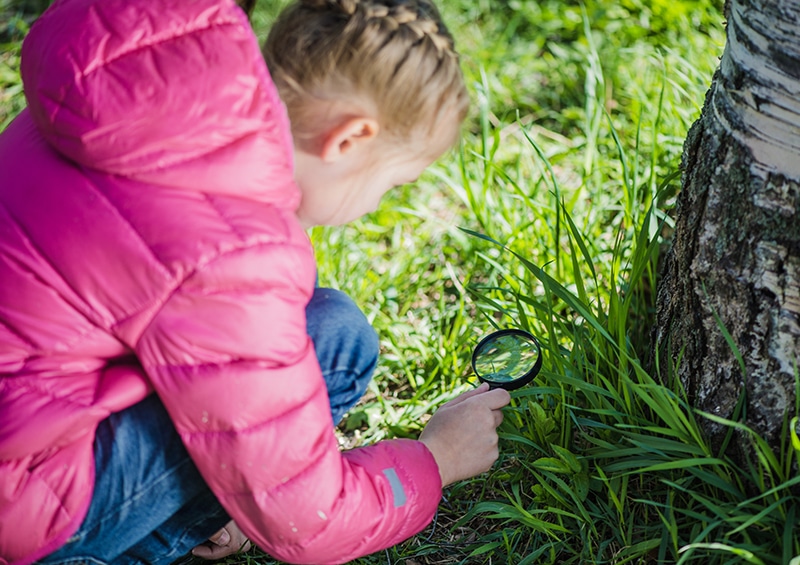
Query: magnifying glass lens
x=507, y=359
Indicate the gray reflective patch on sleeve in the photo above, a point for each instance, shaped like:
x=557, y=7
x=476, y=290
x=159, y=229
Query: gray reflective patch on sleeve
x=398, y=491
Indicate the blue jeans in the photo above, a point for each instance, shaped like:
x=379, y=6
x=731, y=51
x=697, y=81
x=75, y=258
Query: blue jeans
x=150, y=503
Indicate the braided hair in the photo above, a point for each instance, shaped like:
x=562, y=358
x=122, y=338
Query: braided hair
x=247, y=6
x=396, y=55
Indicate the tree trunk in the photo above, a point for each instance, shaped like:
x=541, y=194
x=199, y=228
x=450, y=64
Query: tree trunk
x=736, y=248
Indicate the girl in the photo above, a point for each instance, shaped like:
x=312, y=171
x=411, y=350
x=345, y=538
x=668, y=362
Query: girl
x=166, y=362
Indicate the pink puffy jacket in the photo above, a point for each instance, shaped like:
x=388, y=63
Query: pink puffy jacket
x=148, y=243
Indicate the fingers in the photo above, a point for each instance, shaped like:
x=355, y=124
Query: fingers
x=492, y=399
x=495, y=398
x=498, y=418
x=469, y=394
x=462, y=434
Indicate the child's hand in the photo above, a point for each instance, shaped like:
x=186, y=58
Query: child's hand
x=462, y=434
x=227, y=541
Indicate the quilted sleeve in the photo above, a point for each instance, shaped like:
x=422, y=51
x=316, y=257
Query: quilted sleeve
x=230, y=357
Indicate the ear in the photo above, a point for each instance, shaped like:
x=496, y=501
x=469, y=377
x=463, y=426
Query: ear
x=351, y=134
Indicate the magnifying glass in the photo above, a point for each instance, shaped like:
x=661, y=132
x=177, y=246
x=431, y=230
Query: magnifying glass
x=507, y=359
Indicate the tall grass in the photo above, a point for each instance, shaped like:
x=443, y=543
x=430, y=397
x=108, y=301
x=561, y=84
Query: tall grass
x=603, y=461
x=565, y=201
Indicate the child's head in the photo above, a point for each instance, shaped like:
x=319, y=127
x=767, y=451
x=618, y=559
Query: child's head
x=376, y=81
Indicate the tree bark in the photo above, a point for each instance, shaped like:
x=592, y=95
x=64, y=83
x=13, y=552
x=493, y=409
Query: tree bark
x=736, y=247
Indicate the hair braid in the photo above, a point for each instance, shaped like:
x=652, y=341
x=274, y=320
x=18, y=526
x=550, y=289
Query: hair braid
x=397, y=53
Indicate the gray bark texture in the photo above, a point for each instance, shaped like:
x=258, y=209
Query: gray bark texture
x=736, y=246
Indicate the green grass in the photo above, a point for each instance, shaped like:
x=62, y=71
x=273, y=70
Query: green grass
x=551, y=215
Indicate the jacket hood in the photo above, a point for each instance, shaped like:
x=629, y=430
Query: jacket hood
x=173, y=93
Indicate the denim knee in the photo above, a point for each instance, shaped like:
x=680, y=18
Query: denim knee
x=346, y=346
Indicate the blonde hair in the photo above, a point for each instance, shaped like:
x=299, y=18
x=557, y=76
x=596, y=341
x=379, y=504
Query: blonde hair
x=396, y=56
